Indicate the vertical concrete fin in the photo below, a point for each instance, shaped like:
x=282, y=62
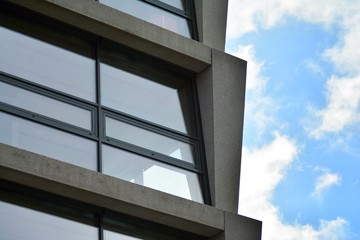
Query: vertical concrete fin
x=221, y=96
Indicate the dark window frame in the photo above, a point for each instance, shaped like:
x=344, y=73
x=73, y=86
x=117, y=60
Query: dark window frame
x=99, y=217
x=188, y=13
x=143, y=62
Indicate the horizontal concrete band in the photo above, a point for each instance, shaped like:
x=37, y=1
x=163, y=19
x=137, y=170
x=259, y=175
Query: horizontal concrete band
x=122, y=28
x=91, y=187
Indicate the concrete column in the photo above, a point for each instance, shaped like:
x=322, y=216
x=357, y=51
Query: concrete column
x=211, y=22
x=221, y=96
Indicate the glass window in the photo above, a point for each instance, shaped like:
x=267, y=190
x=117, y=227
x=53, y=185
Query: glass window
x=47, y=64
x=146, y=99
x=175, y=3
x=22, y=223
x=149, y=173
x=110, y=235
x=152, y=14
x=149, y=140
x=58, y=100
x=47, y=141
x=46, y=106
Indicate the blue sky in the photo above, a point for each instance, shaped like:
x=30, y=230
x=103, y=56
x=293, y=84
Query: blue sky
x=301, y=155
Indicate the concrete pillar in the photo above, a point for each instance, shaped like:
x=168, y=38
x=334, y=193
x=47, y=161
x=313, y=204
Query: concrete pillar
x=221, y=90
x=211, y=21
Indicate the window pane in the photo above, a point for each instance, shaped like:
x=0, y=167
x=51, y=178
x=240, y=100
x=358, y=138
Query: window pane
x=47, y=141
x=47, y=64
x=45, y=106
x=110, y=235
x=149, y=140
x=150, y=173
x=174, y=3
x=149, y=100
x=151, y=14
x=22, y=223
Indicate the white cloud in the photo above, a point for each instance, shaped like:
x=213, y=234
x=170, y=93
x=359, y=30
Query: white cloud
x=342, y=110
x=259, y=108
x=246, y=16
x=249, y=15
x=324, y=182
x=262, y=170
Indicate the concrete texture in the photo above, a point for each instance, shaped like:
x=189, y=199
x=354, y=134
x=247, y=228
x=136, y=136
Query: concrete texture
x=240, y=228
x=221, y=90
x=53, y=176
x=211, y=18
x=127, y=30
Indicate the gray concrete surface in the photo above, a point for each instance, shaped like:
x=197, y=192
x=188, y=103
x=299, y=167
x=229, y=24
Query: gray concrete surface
x=211, y=18
x=240, y=228
x=53, y=176
x=221, y=90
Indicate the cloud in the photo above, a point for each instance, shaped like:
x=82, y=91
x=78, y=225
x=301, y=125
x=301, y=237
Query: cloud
x=262, y=169
x=247, y=16
x=342, y=89
x=324, y=182
x=342, y=110
x=265, y=166
x=260, y=110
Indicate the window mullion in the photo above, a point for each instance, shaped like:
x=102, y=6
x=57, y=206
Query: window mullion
x=99, y=116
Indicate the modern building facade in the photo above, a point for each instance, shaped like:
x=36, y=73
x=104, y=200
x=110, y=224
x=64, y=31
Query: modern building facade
x=120, y=119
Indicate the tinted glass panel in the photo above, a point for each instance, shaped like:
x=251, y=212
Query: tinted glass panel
x=175, y=3
x=110, y=235
x=45, y=106
x=149, y=173
x=151, y=14
x=47, y=64
x=47, y=141
x=150, y=140
x=27, y=224
x=143, y=98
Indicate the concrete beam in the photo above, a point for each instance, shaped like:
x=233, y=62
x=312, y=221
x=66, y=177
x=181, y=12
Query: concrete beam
x=60, y=178
x=221, y=90
x=127, y=30
x=240, y=228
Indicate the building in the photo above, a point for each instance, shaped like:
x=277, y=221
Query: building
x=120, y=121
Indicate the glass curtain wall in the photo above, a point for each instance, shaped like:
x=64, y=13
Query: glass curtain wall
x=174, y=15
x=91, y=103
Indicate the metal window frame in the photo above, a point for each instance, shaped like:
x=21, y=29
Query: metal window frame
x=188, y=13
x=145, y=66
x=89, y=214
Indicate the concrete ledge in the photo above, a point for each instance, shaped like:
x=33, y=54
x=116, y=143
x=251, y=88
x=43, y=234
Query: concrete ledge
x=240, y=228
x=77, y=183
x=122, y=28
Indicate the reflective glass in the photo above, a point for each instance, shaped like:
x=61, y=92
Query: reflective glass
x=143, y=98
x=47, y=141
x=110, y=235
x=150, y=173
x=149, y=140
x=47, y=64
x=45, y=106
x=175, y=3
x=22, y=223
x=151, y=14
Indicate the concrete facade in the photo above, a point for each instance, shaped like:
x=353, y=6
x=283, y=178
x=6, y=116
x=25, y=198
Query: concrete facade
x=221, y=89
